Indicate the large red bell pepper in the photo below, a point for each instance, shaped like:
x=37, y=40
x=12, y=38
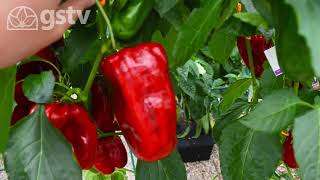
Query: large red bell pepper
x=76, y=125
x=144, y=100
x=111, y=154
x=258, y=45
x=101, y=107
x=288, y=152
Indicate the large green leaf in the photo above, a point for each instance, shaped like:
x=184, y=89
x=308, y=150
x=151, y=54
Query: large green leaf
x=308, y=27
x=274, y=113
x=81, y=47
x=236, y=111
x=221, y=45
x=170, y=168
x=196, y=30
x=246, y=154
x=163, y=6
x=253, y=19
x=264, y=8
x=306, y=143
x=38, y=151
x=235, y=91
x=293, y=53
x=269, y=82
x=7, y=84
x=39, y=87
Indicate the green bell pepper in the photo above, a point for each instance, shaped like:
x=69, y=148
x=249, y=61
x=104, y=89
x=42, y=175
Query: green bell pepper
x=127, y=22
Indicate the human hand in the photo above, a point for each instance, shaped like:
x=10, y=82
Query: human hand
x=16, y=45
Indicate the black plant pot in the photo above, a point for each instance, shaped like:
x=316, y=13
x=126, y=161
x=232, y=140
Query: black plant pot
x=194, y=149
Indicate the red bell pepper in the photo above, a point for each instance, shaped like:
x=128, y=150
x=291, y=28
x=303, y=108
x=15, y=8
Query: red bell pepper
x=258, y=45
x=76, y=125
x=144, y=101
x=23, y=105
x=288, y=152
x=101, y=107
x=111, y=154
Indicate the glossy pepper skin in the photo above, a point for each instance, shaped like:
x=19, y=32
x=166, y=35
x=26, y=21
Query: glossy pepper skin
x=111, y=154
x=144, y=100
x=258, y=45
x=101, y=106
x=76, y=125
x=127, y=22
x=288, y=152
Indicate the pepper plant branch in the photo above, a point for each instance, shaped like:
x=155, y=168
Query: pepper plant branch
x=289, y=171
x=110, y=134
x=92, y=75
x=296, y=87
x=107, y=20
x=252, y=71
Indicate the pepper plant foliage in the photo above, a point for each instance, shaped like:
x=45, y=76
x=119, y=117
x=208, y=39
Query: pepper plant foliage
x=245, y=113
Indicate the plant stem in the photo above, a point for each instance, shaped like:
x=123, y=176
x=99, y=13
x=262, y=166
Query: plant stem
x=129, y=170
x=107, y=20
x=253, y=75
x=110, y=134
x=296, y=87
x=132, y=162
x=303, y=103
x=55, y=67
x=92, y=76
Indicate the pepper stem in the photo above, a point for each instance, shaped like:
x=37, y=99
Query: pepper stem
x=110, y=134
x=107, y=20
x=296, y=87
x=252, y=71
x=92, y=76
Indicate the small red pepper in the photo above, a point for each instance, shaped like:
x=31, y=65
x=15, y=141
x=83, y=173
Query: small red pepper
x=288, y=152
x=76, y=125
x=111, y=154
x=143, y=99
x=258, y=45
x=23, y=105
x=101, y=107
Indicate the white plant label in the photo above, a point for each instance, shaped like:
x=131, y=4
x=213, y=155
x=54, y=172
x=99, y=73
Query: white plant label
x=271, y=55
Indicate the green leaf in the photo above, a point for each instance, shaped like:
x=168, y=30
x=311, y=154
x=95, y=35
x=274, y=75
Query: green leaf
x=269, y=82
x=38, y=151
x=81, y=47
x=292, y=50
x=228, y=8
x=264, y=8
x=163, y=6
x=306, y=143
x=7, y=84
x=194, y=32
x=308, y=27
x=235, y=91
x=246, y=154
x=236, y=111
x=170, y=168
x=274, y=113
x=253, y=19
x=221, y=45
x=39, y=87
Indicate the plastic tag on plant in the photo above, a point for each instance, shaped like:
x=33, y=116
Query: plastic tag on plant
x=271, y=55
